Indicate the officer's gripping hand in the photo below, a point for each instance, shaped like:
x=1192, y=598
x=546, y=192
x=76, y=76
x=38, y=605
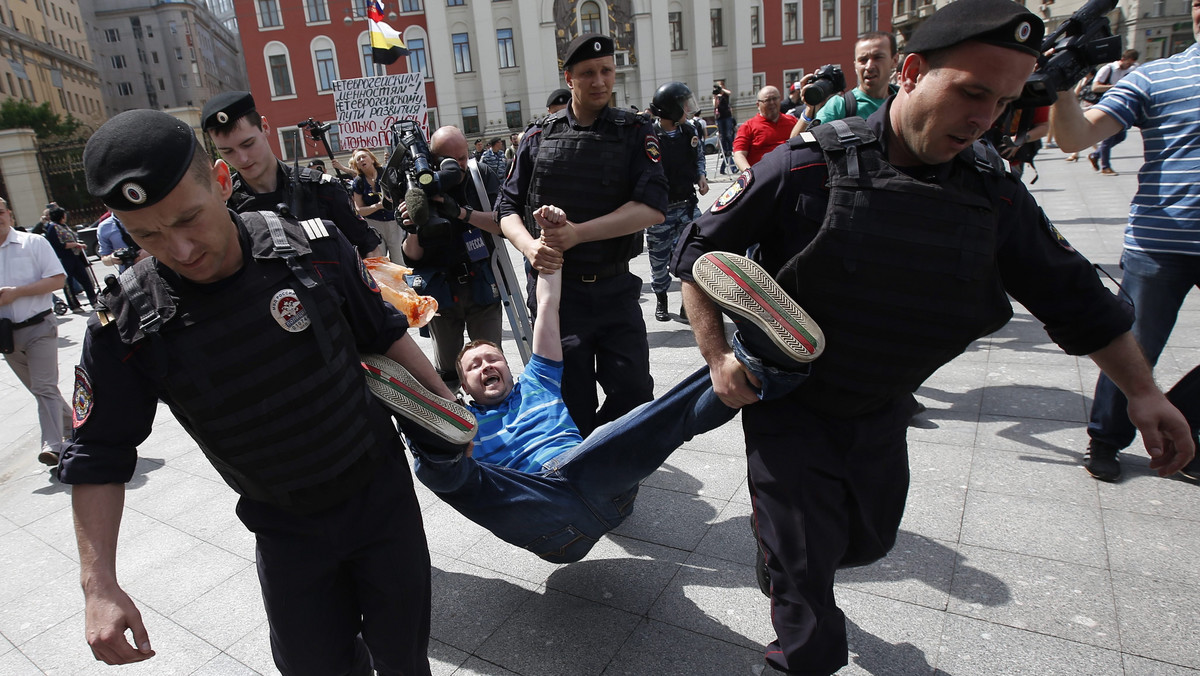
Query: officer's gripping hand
x=1165, y=432
x=733, y=384
x=109, y=613
x=557, y=231
x=703, y=185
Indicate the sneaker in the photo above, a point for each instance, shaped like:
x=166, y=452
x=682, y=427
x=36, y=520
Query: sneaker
x=1101, y=461
x=401, y=393
x=48, y=457
x=1095, y=162
x=660, y=308
x=739, y=285
x=1108, y=172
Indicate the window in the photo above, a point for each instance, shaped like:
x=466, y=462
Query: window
x=410, y=6
x=174, y=30
x=417, y=63
x=358, y=8
x=758, y=81
x=675, y=20
x=112, y=35
x=179, y=54
x=470, y=117
x=281, y=71
x=118, y=61
x=790, y=76
x=183, y=80
x=289, y=141
x=125, y=89
x=589, y=18
x=456, y=3
x=866, y=16
x=718, y=29
x=791, y=21
x=512, y=114
x=326, y=69
x=333, y=138
x=508, y=52
x=149, y=31
x=756, y=25
x=154, y=57
x=370, y=68
x=829, y=19
x=268, y=15
x=316, y=10
x=462, y=52
x=162, y=85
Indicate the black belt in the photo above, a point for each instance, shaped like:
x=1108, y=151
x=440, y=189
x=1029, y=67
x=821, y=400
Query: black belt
x=32, y=320
x=589, y=273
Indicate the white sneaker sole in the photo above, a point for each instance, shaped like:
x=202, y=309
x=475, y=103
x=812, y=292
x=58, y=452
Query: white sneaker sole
x=400, y=392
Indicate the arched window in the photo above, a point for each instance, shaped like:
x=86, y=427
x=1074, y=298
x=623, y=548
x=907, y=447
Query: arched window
x=366, y=59
x=279, y=69
x=324, y=58
x=590, y=18
x=418, y=57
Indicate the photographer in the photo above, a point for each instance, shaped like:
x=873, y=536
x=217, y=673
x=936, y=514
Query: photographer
x=115, y=246
x=455, y=266
x=764, y=132
x=726, y=125
x=875, y=59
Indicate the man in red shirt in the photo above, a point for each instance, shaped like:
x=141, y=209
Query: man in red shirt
x=763, y=132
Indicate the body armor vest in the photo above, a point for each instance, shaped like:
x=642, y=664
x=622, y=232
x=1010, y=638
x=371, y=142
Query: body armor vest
x=901, y=275
x=303, y=202
x=679, y=162
x=585, y=172
x=285, y=416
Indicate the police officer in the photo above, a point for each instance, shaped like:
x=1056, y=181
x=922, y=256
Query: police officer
x=601, y=166
x=924, y=236
x=683, y=163
x=558, y=99
x=249, y=327
x=262, y=182
x=454, y=263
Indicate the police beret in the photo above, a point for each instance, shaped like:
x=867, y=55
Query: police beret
x=588, y=46
x=997, y=22
x=224, y=107
x=559, y=97
x=137, y=158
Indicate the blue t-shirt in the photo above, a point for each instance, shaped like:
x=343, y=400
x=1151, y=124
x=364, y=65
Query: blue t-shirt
x=531, y=425
x=1160, y=97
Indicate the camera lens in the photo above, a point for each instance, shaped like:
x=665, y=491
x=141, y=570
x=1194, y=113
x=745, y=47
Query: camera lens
x=818, y=91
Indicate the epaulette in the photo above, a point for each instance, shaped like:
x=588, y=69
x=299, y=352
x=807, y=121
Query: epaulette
x=313, y=176
x=315, y=228
x=622, y=117
x=547, y=120
x=803, y=140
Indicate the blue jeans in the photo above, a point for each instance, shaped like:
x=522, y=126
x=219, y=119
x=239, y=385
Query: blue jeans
x=726, y=127
x=1104, y=150
x=1157, y=283
x=560, y=512
x=661, y=239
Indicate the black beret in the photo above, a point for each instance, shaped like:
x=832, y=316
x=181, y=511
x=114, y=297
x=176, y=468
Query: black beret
x=559, y=97
x=224, y=107
x=996, y=22
x=588, y=46
x=137, y=158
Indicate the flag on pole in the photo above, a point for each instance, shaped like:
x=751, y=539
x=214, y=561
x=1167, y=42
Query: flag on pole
x=386, y=43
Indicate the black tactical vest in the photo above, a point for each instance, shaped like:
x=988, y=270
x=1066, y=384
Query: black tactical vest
x=679, y=162
x=284, y=415
x=586, y=173
x=303, y=203
x=901, y=275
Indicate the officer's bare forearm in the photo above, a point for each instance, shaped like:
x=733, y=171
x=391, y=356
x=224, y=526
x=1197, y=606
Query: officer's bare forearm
x=406, y=353
x=741, y=159
x=707, y=324
x=97, y=509
x=626, y=219
x=512, y=227
x=486, y=221
x=1123, y=362
x=1075, y=128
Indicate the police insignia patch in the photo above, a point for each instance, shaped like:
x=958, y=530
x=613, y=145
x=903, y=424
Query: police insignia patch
x=81, y=400
x=652, y=149
x=695, y=141
x=733, y=192
x=1055, y=234
x=367, y=277
x=287, y=310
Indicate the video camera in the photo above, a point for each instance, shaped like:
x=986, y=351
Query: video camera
x=410, y=177
x=127, y=255
x=1083, y=40
x=827, y=81
x=316, y=128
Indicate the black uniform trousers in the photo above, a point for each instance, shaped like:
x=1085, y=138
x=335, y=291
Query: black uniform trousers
x=361, y=567
x=827, y=493
x=604, y=342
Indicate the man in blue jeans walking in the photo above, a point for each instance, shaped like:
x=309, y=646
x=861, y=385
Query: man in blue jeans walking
x=534, y=482
x=1107, y=78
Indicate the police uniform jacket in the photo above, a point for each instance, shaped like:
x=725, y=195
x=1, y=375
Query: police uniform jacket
x=885, y=285
x=322, y=196
x=238, y=368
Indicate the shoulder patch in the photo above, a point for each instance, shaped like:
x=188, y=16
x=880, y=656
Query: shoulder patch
x=733, y=192
x=652, y=150
x=367, y=277
x=81, y=400
x=695, y=141
x=1054, y=233
x=315, y=228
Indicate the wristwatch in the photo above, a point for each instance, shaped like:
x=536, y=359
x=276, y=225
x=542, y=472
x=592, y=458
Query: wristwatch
x=469, y=211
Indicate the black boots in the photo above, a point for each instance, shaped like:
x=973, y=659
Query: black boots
x=660, y=308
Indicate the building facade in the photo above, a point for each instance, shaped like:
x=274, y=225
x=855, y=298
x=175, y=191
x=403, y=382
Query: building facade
x=45, y=57
x=489, y=65
x=162, y=55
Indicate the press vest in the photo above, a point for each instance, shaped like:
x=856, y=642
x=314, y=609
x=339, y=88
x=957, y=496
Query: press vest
x=902, y=274
x=679, y=161
x=284, y=415
x=586, y=173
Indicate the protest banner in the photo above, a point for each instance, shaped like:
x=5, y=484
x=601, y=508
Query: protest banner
x=368, y=106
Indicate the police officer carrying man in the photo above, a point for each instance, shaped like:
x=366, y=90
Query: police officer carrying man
x=454, y=264
x=249, y=327
x=601, y=166
x=683, y=163
x=261, y=182
x=924, y=236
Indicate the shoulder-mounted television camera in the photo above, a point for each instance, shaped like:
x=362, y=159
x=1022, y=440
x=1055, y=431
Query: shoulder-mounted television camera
x=410, y=177
x=1083, y=40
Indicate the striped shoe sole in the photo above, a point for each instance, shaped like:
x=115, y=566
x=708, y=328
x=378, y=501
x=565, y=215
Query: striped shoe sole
x=739, y=285
x=400, y=392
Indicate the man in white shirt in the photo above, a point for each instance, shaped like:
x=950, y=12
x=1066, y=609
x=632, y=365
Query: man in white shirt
x=1109, y=75
x=29, y=274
